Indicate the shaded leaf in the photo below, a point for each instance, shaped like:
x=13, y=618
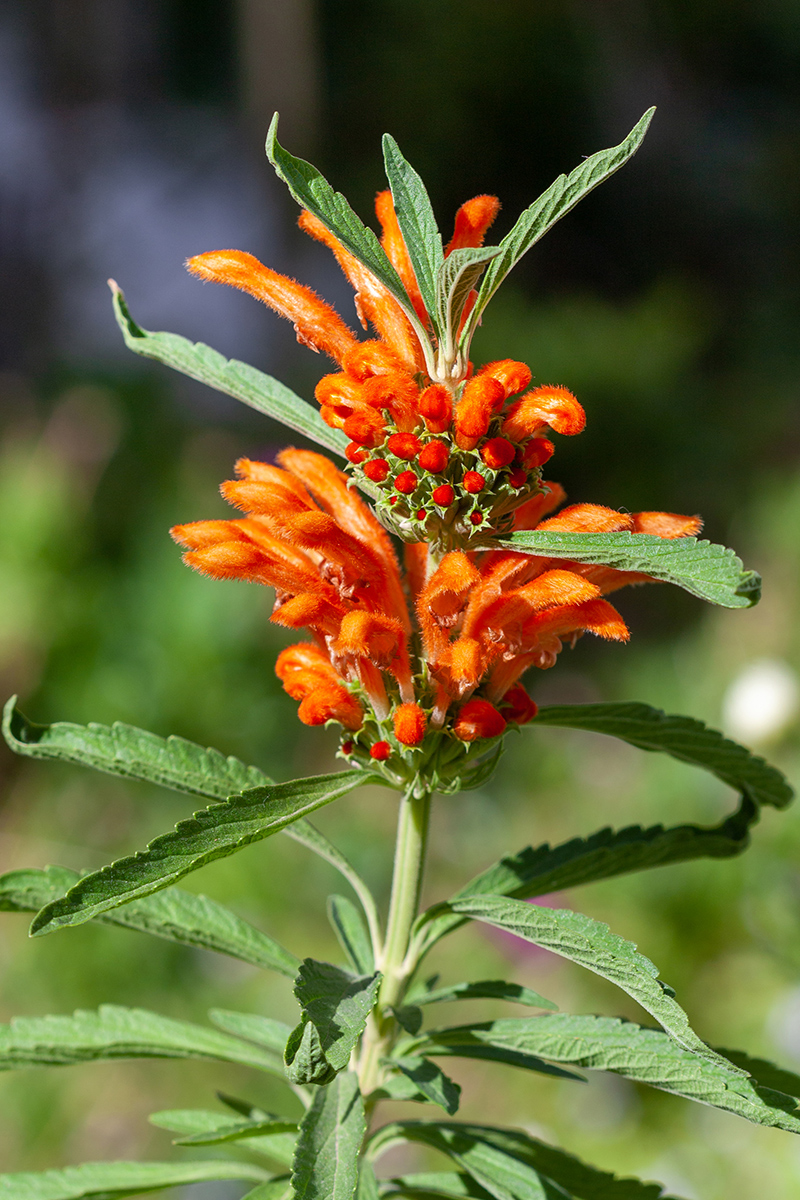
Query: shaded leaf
x=684, y=738
x=417, y=222
x=553, y=204
x=108, y=1181
x=227, y=375
x=456, y=278
x=624, y=1048
x=352, y=934
x=279, y=1188
x=367, y=1183
x=483, y=989
x=430, y=1185
x=117, y=1032
x=189, y=1122
x=431, y=1081
x=210, y=834
x=707, y=570
x=304, y=1056
x=337, y=1003
x=408, y=1016
x=328, y=1147
x=236, y=1131
x=591, y=944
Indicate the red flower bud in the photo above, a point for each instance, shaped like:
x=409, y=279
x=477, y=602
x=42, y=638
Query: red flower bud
x=497, y=453
x=409, y=724
x=473, y=482
x=376, y=469
x=436, y=406
x=355, y=453
x=406, y=482
x=404, y=445
x=537, y=452
x=477, y=518
x=380, y=751
x=478, y=719
x=443, y=496
x=518, y=706
x=433, y=457
x=518, y=477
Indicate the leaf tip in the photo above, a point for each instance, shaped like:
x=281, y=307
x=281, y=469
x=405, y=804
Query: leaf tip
x=272, y=137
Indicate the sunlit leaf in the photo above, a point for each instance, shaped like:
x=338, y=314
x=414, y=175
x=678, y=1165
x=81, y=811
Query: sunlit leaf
x=482, y=989
x=417, y=223
x=113, y=1180
x=353, y=935
x=328, y=1147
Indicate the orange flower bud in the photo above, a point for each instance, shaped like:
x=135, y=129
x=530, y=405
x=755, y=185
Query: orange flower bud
x=517, y=705
x=553, y=406
x=537, y=452
x=331, y=702
x=436, y=406
x=376, y=469
x=366, y=427
x=472, y=221
x=478, y=719
x=514, y=376
x=434, y=457
x=397, y=392
x=371, y=358
x=473, y=482
x=409, y=724
x=380, y=751
x=355, y=453
x=481, y=397
x=404, y=445
x=406, y=482
x=443, y=496
x=370, y=635
x=497, y=453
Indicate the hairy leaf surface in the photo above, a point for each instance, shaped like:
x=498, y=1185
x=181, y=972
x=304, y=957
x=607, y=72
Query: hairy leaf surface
x=113, y=1180
x=482, y=989
x=456, y=278
x=326, y=1160
x=189, y=1122
x=230, y=376
x=431, y=1185
x=252, y=1027
x=707, y=570
x=431, y=1081
x=337, y=1003
x=417, y=223
x=213, y=833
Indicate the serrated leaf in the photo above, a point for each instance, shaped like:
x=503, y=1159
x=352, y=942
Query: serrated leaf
x=328, y=1147
x=604, y=855
x=337, y=1003
x=228, y=375
x=553, y=204
x=312, y=191
x=590, y=944
x=705, y=569
x=210, y=834
x=237, y=1131
x=483, y=989
x=624, y=1048
x=304, y=1056
x=352, y=934
x=252, y=1027
x=504, y=1176
x=174, y=914
x=172, y=762
x=684, y=738
x=117, y=1032
x=190, y=1122
x=113, y=1180
x=417, y=222
x=431, y=1080
x=456, y=278
x=487, y=1052
x=431, y=1185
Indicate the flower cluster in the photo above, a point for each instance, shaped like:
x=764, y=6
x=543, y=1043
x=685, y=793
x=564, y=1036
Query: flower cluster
x=416, y=662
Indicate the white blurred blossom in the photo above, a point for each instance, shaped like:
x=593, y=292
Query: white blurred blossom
x=762, y=701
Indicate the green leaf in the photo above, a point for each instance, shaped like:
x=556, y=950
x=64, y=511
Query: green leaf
x=353, y=935
x=398, y=1087
x=408, y=1016
x=591, y=944
x=326, y=1161
x=304, y=1056
x=681, y=737
x=456, y=277
x=308, y=835
x=624, y=1048
x=108, y=1181
x=553, y=204
x=705, y=569
x=430, y=1185
x=190, y=1122
x=236, y=1131
x=252, y=1027
x=485, y=1051
x=367, y=1183
x=279, y=1188
x=312, y=191
x=174, y=914
x=484, y=989
x=213, y=833
x=230, y=376
x=607, y=853
x=431, y=1081
x=503, y=1175
x=765, y=1073
x=117, y=1032
x=417, y=222
x=337, y=1003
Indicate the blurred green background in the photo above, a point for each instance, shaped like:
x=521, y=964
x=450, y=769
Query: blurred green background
x=668, y=301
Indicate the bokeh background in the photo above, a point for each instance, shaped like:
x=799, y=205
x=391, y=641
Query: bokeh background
x=131, y=137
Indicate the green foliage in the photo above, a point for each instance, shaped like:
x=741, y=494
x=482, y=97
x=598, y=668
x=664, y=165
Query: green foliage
x=417, y=223
x=705, y=569
x=483, y=989
x=353, y=935
x=110, y=1181
x=553, y=204
x=430, y=1185
x=234, y=378
x=210, y=834
x=252, y=1027
x=430, y=1080
x=455, y=279
x=611, y=1044
x=683, y=738
x=591, y=944
x=335, y=1006
x=176, y=915
x=237, y=1131
x=197, y=1122
x=117, y=1032
x=331, y=1133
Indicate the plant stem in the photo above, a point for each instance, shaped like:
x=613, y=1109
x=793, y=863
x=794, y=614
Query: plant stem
x=409, y=862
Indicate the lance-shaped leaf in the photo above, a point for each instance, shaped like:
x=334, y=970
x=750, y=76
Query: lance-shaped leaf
x=312, y=191
x=227, y=375
x=417, y=222
x=431, y=1185
x=117, y=1032
x=237, y=1131
x=591, y=944
x=279, y=1188
x=503, y=1175
x=174, y=914
x=456, y=278
x=683, y=738
x=624, y=1048
x=113, y=1180
x=553, y=204
x=705, y=569
x=352, y=934
x=430, y=1080
x=481, y=989
x=537, y=872
x=172, y=762
x=197, y=1122
x=328, y=1147
x=213, y=833
x=337, y=1003
x=252, y=1027
x=578, y=1179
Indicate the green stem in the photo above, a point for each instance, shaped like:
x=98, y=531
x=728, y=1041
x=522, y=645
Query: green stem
x=409, y=862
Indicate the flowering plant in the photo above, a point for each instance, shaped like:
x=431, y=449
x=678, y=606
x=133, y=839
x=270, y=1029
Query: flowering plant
x=421, y=670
